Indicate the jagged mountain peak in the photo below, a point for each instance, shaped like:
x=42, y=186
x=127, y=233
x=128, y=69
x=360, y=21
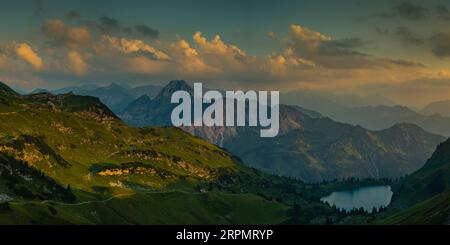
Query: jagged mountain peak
x=163, y=97
x=176, y=85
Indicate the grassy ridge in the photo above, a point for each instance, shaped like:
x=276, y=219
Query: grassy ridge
x=157, y=208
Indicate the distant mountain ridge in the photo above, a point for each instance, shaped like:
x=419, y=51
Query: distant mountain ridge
x=309, y=146
x=115, y=96
x=376, y=116
x=439, y=107
x=381, y=117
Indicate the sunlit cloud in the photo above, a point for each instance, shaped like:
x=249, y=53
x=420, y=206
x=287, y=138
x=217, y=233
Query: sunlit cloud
x=60, y=34
x=76, y=62
x=134, y=46
x=2, y=60
x=303, y=59
x=27, y=54
x=217, y=46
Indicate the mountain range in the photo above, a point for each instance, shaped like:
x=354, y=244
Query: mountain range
x=309, y=146
x=68, y=159
x=371, y=114
x=115, y=96
x=439, y=107
x=374, y=113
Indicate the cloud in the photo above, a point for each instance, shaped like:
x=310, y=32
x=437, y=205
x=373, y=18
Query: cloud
x=2, y=60
x=147, y=31
x=438, y=43
x=417, y=92
x=279, y=64
x=441, y=44
x=306, y=58
x=405, y=35
x=3, y=57
x=305, y=37
x=217, y=46
x=409, y=37
x=186, y=48
x=134, y=46
x=342, y=47
x=27, y=54
x=443, y=12
x=76, y=63
x=322, y=50
x=60, y=34
x=407, y=63
x=408, y=11
x=111, y=26
x=189, y=59
x=108, y=25
x=144, y=65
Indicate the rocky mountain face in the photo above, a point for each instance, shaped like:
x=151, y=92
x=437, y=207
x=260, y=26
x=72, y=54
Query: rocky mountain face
x=309, y=146
x=145, y=111
x=321, y=149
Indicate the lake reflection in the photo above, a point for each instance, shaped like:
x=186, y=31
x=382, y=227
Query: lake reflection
x=368, y=198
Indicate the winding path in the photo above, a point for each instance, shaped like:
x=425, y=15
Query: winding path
x=88, y=202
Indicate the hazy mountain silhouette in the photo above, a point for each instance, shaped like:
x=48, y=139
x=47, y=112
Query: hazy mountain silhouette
x=439, y=107
x=372, y=114
x=309, y=146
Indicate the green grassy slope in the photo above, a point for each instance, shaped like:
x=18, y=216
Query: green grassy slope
x=157, y=208
x=424, y=196
x=435, y=210
x=123, y=175
x=431, y=180
x=66, y=145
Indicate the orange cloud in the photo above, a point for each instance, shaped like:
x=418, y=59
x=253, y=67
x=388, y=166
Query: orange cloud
x=76, y=62
x=144, y=65
x=310, y=38
x=26, y=53
x=217, y=46
x=189, y=58
x=128, y=46
x=71, y=37
x=2, y=60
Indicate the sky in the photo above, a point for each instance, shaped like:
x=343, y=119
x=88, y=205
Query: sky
x=397, y=49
